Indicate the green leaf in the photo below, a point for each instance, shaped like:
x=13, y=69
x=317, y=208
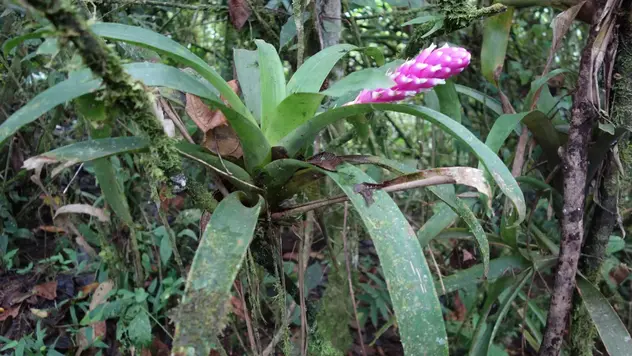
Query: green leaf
x=290, y=114
x=449, y=100
x=423, y=19
x=247, y=67
x=216, y=263
x=482, y=333
x=310, y=76
x=471, y=277
x=139, y=328
x=82, y=82
x=164, y=45
x=409, y=281
x=161, y=75
x=272, y=82
x=377, y=55
x=45, y=101
x=463, y=210
x=254, y=144
x=89, y=150
x=11, y=43
x=537, y=84
x=485, y=99
x=226, y=168
x=545, y=134
x=165, y=249
x=370, y=78
x=306, y=132
x=439, y=221
x=615, y=244
x=507, y=301
x=611, y=329
x=502, y=128
x=288, y=30
x=112, y=190
x=495, y=37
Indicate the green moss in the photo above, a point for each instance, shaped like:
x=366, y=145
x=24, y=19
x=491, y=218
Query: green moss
x=202, y=197
x=584, y=331
x=331, y=336
x=457, y=14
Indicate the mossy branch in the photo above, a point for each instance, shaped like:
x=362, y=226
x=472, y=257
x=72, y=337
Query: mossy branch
x=458, y=15
x=123, y=93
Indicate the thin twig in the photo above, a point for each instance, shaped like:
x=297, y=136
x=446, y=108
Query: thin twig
x=162, y=4
x=303, y=208
x=349, y=279
x=436, y=266
x=251, y=334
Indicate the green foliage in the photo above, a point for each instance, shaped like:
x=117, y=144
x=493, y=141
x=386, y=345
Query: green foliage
x=482, y=254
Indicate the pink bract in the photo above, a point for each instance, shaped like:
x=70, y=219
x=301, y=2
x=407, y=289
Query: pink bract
x=431, y=67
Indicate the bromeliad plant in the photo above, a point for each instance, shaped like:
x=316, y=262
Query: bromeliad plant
x=283, y=117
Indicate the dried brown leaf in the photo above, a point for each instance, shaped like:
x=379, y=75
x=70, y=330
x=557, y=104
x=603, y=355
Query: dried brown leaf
x=46, y=290
x=561, y=23
x=223, y=141
x=239, y=12
x=83, y=209
x=98, y=328
x=326, y=160
x=11, y=312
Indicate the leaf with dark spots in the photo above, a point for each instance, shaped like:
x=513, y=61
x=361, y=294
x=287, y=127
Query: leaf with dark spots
x=239, y=12
x=325, y=160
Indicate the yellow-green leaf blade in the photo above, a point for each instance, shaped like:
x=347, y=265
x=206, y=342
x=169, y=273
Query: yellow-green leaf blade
x=409, y=281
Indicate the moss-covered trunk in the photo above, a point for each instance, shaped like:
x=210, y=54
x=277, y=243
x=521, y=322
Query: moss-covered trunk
x=605, y=218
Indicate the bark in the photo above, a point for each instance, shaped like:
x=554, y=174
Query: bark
x=328, y=21
x=593, y=256
x=593, y=253
x=583, y=116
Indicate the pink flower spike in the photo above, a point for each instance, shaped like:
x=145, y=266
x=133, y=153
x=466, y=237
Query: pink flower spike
x=430, y=68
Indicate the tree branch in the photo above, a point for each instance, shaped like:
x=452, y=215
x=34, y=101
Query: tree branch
x=162, y=4
x=303, y=208
x=584, y=115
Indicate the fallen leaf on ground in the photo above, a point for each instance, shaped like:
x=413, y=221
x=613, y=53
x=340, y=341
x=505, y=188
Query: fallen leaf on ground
x=46, y=290
x=11, y=312
x=98, y=328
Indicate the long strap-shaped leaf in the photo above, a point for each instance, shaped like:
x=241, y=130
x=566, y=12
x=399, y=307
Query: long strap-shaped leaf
x=611, y=329
x=256, y=148
x=216, y=263
x=409, y=281
x=89, y=150
x=306, y=133
x=159, y=43
x=311, y=75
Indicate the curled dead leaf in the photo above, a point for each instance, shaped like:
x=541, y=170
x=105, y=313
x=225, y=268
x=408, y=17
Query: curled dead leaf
x=83, y=209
